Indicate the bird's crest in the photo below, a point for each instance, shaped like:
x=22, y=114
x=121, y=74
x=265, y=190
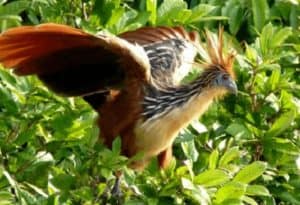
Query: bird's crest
x=214, y=55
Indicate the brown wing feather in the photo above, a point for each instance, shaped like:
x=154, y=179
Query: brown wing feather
x=69, y=60
x=148, y=35
x=21, y=44
x=167, y=67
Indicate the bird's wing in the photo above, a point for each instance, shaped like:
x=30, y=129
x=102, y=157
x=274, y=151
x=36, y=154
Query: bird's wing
x=70, y=61
x=147, y=35
x=171, y=51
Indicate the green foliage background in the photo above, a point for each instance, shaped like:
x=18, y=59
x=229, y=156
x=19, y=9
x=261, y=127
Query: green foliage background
x=246, y=150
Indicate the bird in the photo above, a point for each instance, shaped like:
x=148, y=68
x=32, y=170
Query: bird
x=133, y=80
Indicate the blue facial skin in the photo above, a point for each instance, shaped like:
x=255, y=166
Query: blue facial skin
x=224, y=80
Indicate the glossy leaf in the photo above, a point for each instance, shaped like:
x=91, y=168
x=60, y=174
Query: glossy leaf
x=212, y=178
x=230, y=191
x=281, y=124
x=250, y=172
x=260, y=11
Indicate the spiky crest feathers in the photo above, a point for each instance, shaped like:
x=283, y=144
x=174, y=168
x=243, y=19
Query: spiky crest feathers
x=213, y=53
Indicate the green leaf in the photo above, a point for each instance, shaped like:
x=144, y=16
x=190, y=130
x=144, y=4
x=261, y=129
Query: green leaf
x=151, y=6
x=63, y=181
x=37, y=189
x=139, y=21
x=280, y=36
x=229, y=156
x=190, y=150
x=235, y=19
x=237, y=129
x=232, y=190
x=294, y=17
x=10, y=179
x=289, y=197
x=235, y=13
x=280, y=145
x=14, y=8
x=8, y=78
x=113, y=22
x=116, y=146
x=106, y=8
x=269, y=46
x=268, y=66
x=281, y=124
x=27, y=197
x=286, y=101
x=8, y=101
x=213, y=18
x=265, y=40
x=171, y=188
x=10, y=17
x=25, y=136
x=197, y=193
x=183, y=16
x=273, y=81
x=249, y=201
x=6, y=198
x=212, y=178
x=250, y=172
x=169, y=11
x=251, y=54
x=37, y=173
x=260, y=11
x=186, y=183
x=200, y=11
x=257, y=190
x=213, y=159
x=198, y=126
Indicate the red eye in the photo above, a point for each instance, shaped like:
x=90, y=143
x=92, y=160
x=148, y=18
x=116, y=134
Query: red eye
x=225, y=77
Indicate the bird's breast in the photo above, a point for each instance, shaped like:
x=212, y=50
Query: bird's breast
x=155, y=135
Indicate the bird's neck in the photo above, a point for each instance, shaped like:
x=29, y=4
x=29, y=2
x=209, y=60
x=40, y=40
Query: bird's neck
x=192, y=97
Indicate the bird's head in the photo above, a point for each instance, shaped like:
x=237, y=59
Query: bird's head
x=220, y=78
x=218, y=63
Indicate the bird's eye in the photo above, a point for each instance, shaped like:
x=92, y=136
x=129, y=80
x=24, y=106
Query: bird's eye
x=225, y=77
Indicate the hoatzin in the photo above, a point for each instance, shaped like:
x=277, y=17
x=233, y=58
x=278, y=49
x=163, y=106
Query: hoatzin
x=131, y=80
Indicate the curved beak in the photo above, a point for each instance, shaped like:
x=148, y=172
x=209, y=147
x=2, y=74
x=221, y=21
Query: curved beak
x=231, y=86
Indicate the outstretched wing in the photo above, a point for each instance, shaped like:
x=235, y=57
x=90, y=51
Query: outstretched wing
x=70, y=61
x=171, y=51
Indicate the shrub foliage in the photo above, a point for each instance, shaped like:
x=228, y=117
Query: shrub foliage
x=244, y=150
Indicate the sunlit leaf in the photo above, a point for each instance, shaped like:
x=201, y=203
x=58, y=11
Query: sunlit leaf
x=200, y=11
x=152, y=8
x=212, y=178
x=250, y=172
x=257, y=190
x=281, y=124
x=232, y=190
x=229, y=156
x=169, y=11
x=260, y=11
x=213, y=159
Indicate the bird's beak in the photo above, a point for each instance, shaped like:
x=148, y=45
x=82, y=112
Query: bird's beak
x=231, y=86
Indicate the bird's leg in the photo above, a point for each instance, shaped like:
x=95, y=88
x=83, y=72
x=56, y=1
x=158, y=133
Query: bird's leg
x=116, y=190
x=165, y=158
x=115, y=194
